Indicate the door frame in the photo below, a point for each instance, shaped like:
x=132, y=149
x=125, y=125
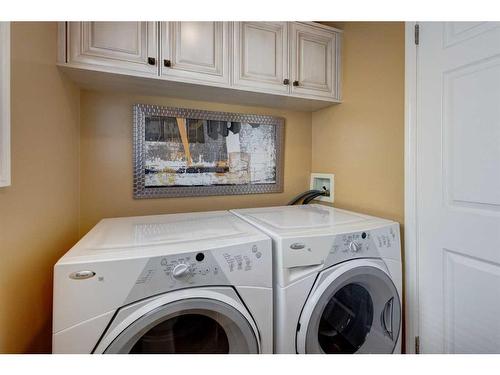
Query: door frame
x=411, y=249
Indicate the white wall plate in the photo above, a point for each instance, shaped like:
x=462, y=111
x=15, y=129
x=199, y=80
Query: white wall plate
x=318, y=180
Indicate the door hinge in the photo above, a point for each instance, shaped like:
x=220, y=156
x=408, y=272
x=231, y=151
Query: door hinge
x=417, y=345
x=417, y=34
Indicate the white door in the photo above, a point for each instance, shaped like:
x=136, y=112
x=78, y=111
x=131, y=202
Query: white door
x=118, y=46
x=313, y=61
x=260, y=56
x=458, y=187
x=195, y=52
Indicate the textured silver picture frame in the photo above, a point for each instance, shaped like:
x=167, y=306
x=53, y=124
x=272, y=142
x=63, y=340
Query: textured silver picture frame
x=141, y=191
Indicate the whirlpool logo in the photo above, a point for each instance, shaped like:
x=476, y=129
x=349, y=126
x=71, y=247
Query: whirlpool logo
x=297, y=246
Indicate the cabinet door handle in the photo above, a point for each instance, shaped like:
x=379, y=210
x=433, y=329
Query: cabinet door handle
x=295, y=83
x=286, y=81
x=167, y=63
x=151, y=61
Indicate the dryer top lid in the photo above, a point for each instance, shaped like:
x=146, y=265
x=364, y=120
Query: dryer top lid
x=282, y=220
x=174, y=233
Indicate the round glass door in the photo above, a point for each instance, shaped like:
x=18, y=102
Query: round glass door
x=186, y=333
x=346, y=320
x=192, y=326
x=359, y=312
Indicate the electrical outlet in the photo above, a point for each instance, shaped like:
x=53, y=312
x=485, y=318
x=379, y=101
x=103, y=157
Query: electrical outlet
x=320, y=180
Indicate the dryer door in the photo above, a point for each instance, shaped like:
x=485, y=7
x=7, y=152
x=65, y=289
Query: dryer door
x=352, y=309
x=194, y=325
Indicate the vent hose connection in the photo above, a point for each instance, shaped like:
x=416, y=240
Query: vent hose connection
x=308, y=196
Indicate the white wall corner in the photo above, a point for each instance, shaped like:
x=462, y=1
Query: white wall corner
x=5, y=162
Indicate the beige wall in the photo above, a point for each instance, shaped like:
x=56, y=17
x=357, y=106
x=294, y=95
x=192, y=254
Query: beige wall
x=39, y=212
x=362, y=139
x=106, y=159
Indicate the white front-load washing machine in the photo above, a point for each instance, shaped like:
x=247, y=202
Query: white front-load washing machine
x=182, y=283
x=338, y=279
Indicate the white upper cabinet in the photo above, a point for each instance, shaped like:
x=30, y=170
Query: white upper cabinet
x=279, y=64
x=115, y=46
x=195, y=52
x=314, y=61
x=260, y=56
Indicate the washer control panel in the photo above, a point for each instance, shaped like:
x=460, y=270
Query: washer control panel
x=379, y=242
x=357, y=242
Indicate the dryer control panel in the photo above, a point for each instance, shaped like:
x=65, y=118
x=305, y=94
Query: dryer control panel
x=185, y=268
x=382, y=242
x=246, y=264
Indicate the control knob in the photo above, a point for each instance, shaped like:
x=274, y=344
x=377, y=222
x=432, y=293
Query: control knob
x=354, y=247
x=180, y=271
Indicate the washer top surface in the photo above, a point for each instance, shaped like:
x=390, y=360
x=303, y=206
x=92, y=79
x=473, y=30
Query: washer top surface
x=314, y=218
x=173, y=233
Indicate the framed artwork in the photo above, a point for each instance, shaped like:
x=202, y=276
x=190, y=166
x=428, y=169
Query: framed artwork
x=181, y=152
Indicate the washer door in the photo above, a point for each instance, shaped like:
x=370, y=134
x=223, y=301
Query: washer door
x=189, y=326
x=352, y=310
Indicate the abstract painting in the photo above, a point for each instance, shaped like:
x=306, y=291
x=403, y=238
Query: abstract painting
x=186, y=152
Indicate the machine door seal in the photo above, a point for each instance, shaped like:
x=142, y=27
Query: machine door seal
x=351, y=310
x=193, y=325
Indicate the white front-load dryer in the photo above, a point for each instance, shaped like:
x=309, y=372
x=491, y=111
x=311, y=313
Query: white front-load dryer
x=182, y=283
x=337, y=279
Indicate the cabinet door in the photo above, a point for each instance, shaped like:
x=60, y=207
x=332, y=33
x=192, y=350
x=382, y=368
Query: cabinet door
x=195, y=52
x=120, y=46
x=314, y=61
x=260, y=56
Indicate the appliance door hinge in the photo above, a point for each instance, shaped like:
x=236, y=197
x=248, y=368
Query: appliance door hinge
x=417, y=345
x=417, y=34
